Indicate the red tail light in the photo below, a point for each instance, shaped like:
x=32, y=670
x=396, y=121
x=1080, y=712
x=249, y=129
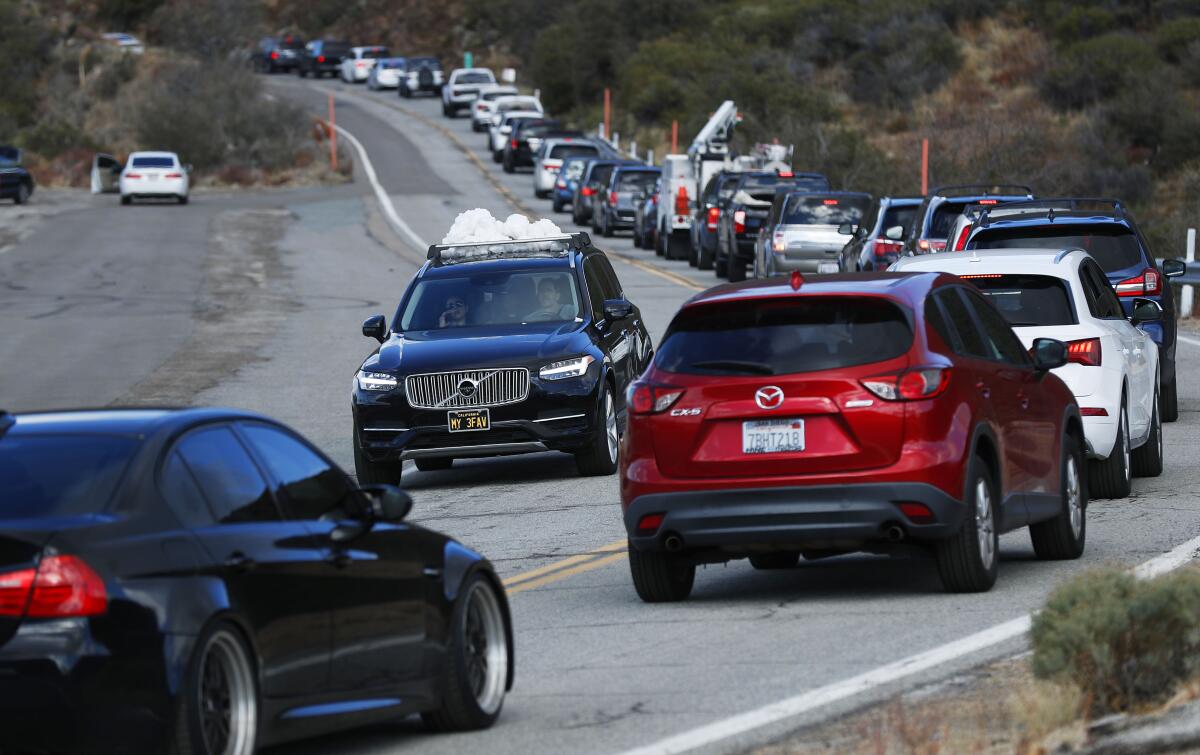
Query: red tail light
x=681, y=201
x=1086, y=352
x=644, y=398
x=274, y=56
x=612, y=198
x=173, y=175
x=962, y=239
x=513, y=144
x=649, y=524
x=917, y=513
x=320, y=58
x=910, y=385
x=60, y=587
x=785, y=174
x=133, y=175
x=739, y=221
x=1093, y=411
x=560, y=184
x=587, y=191
x=481, y=107
x=654, y=200
x=714, y=217
x=883, y=248
x=1149, y=283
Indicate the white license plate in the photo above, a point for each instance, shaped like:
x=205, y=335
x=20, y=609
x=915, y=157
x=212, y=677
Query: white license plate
x=827, y=267
x=772, y=436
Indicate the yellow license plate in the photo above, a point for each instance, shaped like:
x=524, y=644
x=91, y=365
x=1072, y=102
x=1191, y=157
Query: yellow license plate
x=468, y=420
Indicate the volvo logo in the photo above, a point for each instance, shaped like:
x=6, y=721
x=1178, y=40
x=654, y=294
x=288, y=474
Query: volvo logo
x=467, y=387
x=769, y=397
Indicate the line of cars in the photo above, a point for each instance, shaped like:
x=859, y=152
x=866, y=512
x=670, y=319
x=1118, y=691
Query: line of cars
x=373, y=65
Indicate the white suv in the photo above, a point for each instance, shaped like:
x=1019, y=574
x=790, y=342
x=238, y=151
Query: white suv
x=356, y=66
x=485, y=100
x=461, y=88
x=1112, y=366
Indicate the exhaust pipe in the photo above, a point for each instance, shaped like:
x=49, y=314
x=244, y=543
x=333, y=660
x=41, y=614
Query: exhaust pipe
x=895, y=533
x=673, y=543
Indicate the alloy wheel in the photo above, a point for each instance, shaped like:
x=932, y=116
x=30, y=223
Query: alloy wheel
x=485, y=646
x=1074, y=499
x=984, y=527
x=228, y=709
x=610, y=426
x=1126, y=448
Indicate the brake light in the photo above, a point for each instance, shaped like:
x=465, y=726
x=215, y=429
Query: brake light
x=909, y=385
x=989, y=201
x=1149, y=283
x=173, y=175
x=359, y=63
x=739, y=221
x=885, y=248
x=60, y=587
x=1086, y=352
x=962, y=238
x=714, y=217
x=587, y=191
x=829, y=201
x=513, y=144
x=797, y=280
x=320, y=58
x=923, y=245
x=612, y=198
x=274, y=55
x=133, y=175
x=1093, y=411
x=779, y=242
x=681, y=201
x=649, y=524
x=785, y=174
x=645, y=398
x=560, y=184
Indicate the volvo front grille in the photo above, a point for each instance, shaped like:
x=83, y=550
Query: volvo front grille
x=453, y=390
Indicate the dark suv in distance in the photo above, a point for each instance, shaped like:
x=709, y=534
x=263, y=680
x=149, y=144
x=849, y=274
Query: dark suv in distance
x=526, y=139
x=421, y=74
x=500, y=348
x=1105, y=229
x=278, y=54
x=941, y=207
x=16, y=183
x=322, y=57
x=617, y=205
x=707, y=221
x=880, y=237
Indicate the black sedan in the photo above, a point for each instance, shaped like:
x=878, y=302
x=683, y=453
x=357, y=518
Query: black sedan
x=16, y=183
x=500, y=348
x=207, y=581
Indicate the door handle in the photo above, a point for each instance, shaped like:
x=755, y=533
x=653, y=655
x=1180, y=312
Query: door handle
x=337, y=558
x=240, y=562
x=982, y=386
x=432, y=572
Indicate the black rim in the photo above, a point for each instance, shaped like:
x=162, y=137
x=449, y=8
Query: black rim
x=215, y=706
x=477, y=650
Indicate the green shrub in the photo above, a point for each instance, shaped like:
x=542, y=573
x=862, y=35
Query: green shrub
x=1098, y=68
x=1124, y=642
x=1175, y=37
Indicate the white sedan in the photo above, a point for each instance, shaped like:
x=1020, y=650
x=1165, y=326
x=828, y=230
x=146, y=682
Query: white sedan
x=1112, y=366
x=357, y=64
x=154, y=174
x=385, y=74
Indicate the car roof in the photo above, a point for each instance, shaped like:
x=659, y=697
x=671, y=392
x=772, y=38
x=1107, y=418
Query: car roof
x=133, y=421
x=911, y=287
x=153, y=154
x=1053, y=261
x=637, y=168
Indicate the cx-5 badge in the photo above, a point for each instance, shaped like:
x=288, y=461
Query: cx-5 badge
x=769, y=397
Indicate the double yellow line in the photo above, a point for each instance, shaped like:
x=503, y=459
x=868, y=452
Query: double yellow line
x=567, y=567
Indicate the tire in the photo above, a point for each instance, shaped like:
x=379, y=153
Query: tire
x=446, y=111
x=182, y=199
x=301, y=73
x=1063, y=537
x=676, y=249
x=606, y=230
x=476, y=669
x=434, y=465
x=968, y=560
x=374, y=472
x=221, y=666
x=660, y=577
x=705, y=260
x=539, y=194
x=125, y=200
x=22, y=195
x=603, y=452
x=1113, y=477
x=721, y=268
x=557, y=205
x=660, y=242
x=637, y=235
x=508, y=166
x=1170, y=400
x=405, y=93
x=737, y=271
x=1148, y=458
x=497, y=157
x=779, y=560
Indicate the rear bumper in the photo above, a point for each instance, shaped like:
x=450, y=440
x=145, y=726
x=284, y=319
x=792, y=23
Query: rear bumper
x=806, y=264
x=740, y=520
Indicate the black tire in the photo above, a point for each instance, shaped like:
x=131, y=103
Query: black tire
x=1113, y=477
x=1148, y=457
x=182, y=199
x=434, y=465
x=497, y=156
x=446, y=111
x=602, y=453
x=538, y=193
x=779, y=560
x=737, y=271
x=661, y=577
x=705, y=260
x=301, y=73
x=221, y=661
x=660, y=242
x=1170, y=400
x=22, y=195
x=676, y=246
x=1064, y=536
x=469, y=703
x=966, y=563
x=403, y=91
x=508, y=166
x=721, y=268
x=557, y=205
x=374, y=472
x=606, y=230
x=637, y=235
x=125, y=200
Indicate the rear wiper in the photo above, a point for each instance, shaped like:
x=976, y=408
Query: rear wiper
x=756, y=368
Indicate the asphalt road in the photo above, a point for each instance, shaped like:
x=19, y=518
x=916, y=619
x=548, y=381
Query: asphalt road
x=255, y=301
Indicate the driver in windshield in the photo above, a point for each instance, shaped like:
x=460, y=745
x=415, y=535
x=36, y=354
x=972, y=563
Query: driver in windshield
x=550, y=303
x=455, y=314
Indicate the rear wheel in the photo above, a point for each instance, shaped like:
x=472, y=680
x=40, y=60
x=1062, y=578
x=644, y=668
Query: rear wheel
x=182, y=199
x=704, y=260
x=1112, y=477
x=600, y=456
x=721, y=268
x=606, y=229
x=125, y=199
x=660, y=242
x=637, y=235
x=660, y=577
x=967, y=561
x=22, y=195
x=676, y=246
x=1170, y=400
x=374, y=472
x=737, y=271
x=217, y=713
x=781, y=560
x=1148, y=458
x=540, y=194
x=1063, y=536
x=557, y=205
x=434, y=465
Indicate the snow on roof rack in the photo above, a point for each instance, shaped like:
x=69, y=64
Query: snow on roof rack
x=558, y=245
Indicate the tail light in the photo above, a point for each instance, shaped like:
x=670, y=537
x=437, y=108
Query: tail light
x=587, y=191
x=1149, y=283
x=654, y=199
x=513, y=144
x=739, y=221
x=917, y=513
x=909, y=385
x=133, y=175
x=612, y=198
x=320, y=58
x=714, y=217
x=1093, y=411
x=60, y=587
x=785, y=174
x=646, y=398
x=173, y=175
x=274, y=56
x=481, y=107
x=649, y=524
x=884, y=248
x=961, y=243
x=359, y=63
x=1086, y=351
x=681, y=201
x=560, y=184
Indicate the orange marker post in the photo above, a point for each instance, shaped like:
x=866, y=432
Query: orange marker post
x=924, y=166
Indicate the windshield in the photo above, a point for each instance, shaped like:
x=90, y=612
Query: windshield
x=1027, y=300
x=783, y=337
x=573, y=169
x=153, y=162
x=9, y=157
x=898, y=216
x=474, y=78
x=34, y=481
x=335, y=48
x=528, y=105
x=636, y=181
x=392, y=63
x=601, y=173
x=1115, y=247
x=514, y=298
x=572, y=150
x=805, y=210
x=943, y=219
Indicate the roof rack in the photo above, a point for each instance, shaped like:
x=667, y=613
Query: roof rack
x=479, y=251
x=984, y=189
x=1067, y=250
x=1050, y=204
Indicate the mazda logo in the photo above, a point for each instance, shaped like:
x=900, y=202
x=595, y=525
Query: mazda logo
x=466, y=388
x=769, y=397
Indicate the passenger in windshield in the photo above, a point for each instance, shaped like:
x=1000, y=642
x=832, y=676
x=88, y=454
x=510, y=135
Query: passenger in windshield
x=455, y=314
x=550, y=304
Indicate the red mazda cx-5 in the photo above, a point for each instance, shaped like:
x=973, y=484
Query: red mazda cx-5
x=790, y=417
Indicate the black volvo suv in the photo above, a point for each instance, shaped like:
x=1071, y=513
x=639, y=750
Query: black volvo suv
x=500, y=348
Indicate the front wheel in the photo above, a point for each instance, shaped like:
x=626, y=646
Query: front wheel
x=557, y=205
x=967, y=561
x=600, y=456
x=374, y=472
x=22, y=195
x=217, y=712
x=675, y=246
x=661, y=577
x=1170, y=400
x=476, y=674
x=1063, y=536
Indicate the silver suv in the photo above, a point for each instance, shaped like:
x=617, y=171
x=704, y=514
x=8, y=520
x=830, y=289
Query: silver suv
x=811, y=229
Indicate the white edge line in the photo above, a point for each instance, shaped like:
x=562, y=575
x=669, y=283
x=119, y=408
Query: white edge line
x=914, y=664
x=385, y=202
x=1185, y=339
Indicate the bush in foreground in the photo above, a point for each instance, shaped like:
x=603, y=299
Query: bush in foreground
x=1124, y=642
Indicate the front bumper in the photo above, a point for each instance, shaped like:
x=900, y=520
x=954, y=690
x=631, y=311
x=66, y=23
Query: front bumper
x=740, y=520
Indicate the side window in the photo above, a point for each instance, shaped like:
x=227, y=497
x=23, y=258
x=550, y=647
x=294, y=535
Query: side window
x=595, y=287
x=936, y=320
x=969, y=342
x=311, y=486
x=182, y=494
x=612, y=285
x=1107, y=302
x=1004, y=343
x=228, y=478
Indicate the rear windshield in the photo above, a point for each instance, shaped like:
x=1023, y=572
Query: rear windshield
x=36, y=482
x=392, y=63
x=943, y=219
x=153, y=162
x=539, y=128
x=761, y=184
x=336, y=48
x=291, y=43
x=776, y=338
x=474, y=78
x=527, y=103
x=559, y=151
x=898, y=216
x=825, y=210
x=415, y=63
x=573, y=169
x=636, y=180
x=1027, y=300
x=1114, y=247
x=601, y=173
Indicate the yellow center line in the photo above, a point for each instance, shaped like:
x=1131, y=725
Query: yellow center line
x=564, y=563
x=556, y=576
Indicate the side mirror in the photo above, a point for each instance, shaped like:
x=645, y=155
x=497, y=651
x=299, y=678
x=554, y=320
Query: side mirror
x=375, y=327
x=1145, y=310
x=1048, y=354
x=617, y=309
x=388, y=503
x=1173, y=268
x=895, y=233
x=847, y=229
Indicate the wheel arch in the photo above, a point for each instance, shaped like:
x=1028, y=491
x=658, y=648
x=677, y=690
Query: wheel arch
x=986, y=446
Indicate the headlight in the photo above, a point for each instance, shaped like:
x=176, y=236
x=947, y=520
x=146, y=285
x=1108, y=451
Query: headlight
x=567, y=368
x=376, y=381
